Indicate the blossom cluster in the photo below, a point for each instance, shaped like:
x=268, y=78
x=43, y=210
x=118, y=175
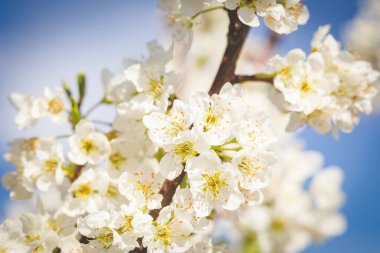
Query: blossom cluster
x=224, y=147
x=327, y=89
x=282, y=17
x=110, y=182
x=166, y=169
x=32, y=109
x=294, y=215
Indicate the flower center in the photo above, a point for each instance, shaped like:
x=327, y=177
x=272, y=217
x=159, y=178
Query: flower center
x=112, y=190
x=51, y=165
x=55, y=106
x=214, y=183
x=54, y=225
x=105, y=238
x=88, y=146
x=186, y=150
x=156, y=86
x=177, y=125
x=127, y=225
x=32, y=238
x=278, y=225
x=83, y=191
x=212, y=119
x=305, y=88
x=163, y=233
x=32, y=143
x=117, y=159
x=145, y=188
x=247, y=166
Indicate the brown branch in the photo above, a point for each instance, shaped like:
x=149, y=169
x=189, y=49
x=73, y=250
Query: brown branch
x=237, y=34
x=167, y=191
x=257, y=78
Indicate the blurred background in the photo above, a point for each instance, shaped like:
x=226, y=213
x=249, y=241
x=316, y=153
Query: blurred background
x=43, y=42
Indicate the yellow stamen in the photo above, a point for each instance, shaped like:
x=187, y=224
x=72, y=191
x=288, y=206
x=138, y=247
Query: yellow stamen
x=186, y=150
x=55, y=106
x=88, y=146
x=83, y=191
x=51, y=165
x=214, y=183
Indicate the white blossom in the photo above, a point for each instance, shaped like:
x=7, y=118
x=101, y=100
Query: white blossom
x=88, y=145
x=142, y=186
x=169, y=232
x=328, y=90
x=31, y=109
x=212, y=183
x=117, y=88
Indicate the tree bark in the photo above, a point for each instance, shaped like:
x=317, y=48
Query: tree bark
x=237, y=34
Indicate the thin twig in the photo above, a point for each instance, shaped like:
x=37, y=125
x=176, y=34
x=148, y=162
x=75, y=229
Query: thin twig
x=93, y=108
x=101, y=122
x=167, y=191
x=236, y=36
x=257, y=78
x=206, y=10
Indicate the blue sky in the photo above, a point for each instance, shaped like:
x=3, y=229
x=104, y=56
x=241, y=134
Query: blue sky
x=42, y=42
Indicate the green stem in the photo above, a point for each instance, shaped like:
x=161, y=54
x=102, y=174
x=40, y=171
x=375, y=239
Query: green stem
x=221, y=155
x=101, y=122
x=206, y=10
x=234, y=140
x=92, y=108
x=233, y=149
x=63, y=136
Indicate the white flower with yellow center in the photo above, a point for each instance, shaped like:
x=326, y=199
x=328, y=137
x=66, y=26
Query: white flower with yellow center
x=10, y=237
x=51, y=105
x=88, y=145
x=303, y=83
x=124, y=156
x=253, y=133
x=131, y=223
x=212, y=183
x=183, y=200
x=151, y=76
x=99, y=227
x=166, y=129
x=142, y=186
x=249, y=10
x=37, y=235
x=46, y=169
x=31, y=109
x=169, y=232
x=285, y=16
x=118, y=88
x=22, y=153
x=253, y=169
x=329, y=90
x=213, y=117
x=87, y=193
x=178, y=153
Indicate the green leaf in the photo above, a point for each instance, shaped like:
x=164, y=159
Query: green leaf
x=74, y=112
x=81, y=80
